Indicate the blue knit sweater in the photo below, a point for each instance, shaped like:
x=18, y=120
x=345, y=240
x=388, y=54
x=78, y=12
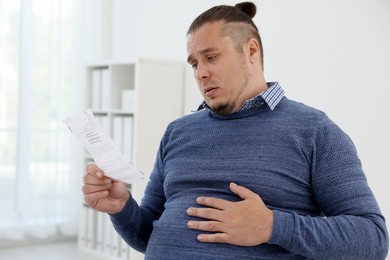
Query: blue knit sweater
x=299, y=162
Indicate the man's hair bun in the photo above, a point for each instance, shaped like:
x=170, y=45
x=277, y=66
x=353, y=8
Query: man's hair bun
x=248, y=8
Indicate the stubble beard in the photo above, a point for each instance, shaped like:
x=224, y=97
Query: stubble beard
x=231, y=107
x=225, y=109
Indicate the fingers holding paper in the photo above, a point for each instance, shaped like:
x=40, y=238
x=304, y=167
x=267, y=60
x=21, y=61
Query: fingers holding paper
x=103, y=193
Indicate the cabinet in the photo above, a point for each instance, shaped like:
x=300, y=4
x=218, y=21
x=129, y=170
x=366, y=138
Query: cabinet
x=134, y=102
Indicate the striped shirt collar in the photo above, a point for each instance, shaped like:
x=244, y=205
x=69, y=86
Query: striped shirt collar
x=271, y=96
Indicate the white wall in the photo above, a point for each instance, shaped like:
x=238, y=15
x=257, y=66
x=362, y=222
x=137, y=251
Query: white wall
x=330, y=54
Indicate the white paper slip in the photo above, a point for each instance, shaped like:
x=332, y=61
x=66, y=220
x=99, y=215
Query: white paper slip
x=102, y=148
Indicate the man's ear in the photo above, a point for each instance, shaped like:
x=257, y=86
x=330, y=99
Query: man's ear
x=254, y=50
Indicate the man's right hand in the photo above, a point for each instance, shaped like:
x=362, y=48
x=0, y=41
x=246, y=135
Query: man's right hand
x=103, y=193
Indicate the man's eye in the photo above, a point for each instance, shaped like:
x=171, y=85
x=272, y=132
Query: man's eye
x=211, y=58
x=194, y=66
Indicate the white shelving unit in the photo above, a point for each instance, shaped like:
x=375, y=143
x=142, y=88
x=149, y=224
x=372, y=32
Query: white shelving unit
x=134, y=102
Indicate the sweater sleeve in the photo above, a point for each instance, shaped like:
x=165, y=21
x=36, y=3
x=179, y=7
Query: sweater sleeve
x=135, y=222
x=352, y=226
x=132, y=226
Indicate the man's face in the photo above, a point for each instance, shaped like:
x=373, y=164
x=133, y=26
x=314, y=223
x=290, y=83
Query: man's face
x=220, y=70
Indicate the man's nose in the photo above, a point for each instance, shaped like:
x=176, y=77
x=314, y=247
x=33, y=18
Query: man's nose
x=202, y=72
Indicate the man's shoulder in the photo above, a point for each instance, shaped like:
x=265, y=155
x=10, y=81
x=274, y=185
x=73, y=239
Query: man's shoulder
x=298, y=113
x=194, y=117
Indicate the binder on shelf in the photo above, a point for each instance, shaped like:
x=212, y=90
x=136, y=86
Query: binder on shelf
x=117, y=131
x=127, y=137
x=91, y=228
x=115, y=244
x=108, y=230
x=124, y=250
x=82, y=239
x=105, y=89
x=100, y=230
x=96, y=89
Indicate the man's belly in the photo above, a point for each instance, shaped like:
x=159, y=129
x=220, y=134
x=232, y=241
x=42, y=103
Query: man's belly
x=172, y=239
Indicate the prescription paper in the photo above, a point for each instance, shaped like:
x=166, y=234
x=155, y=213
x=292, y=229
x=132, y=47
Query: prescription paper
x=102, y=148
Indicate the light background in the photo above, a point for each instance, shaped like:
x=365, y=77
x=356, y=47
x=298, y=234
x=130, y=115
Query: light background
x=330, y=54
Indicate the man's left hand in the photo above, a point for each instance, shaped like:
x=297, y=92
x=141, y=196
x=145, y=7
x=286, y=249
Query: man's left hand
x=244, y=223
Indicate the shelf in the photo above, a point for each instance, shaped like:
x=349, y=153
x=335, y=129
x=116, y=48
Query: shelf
x=112, y=112
x=133, y=102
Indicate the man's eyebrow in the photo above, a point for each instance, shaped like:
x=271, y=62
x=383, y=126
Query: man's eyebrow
x=189, y=59
x=206, y=50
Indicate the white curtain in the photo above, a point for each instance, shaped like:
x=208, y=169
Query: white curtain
x=40, y=85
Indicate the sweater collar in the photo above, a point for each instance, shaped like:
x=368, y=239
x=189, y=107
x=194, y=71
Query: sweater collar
x=270, y=96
